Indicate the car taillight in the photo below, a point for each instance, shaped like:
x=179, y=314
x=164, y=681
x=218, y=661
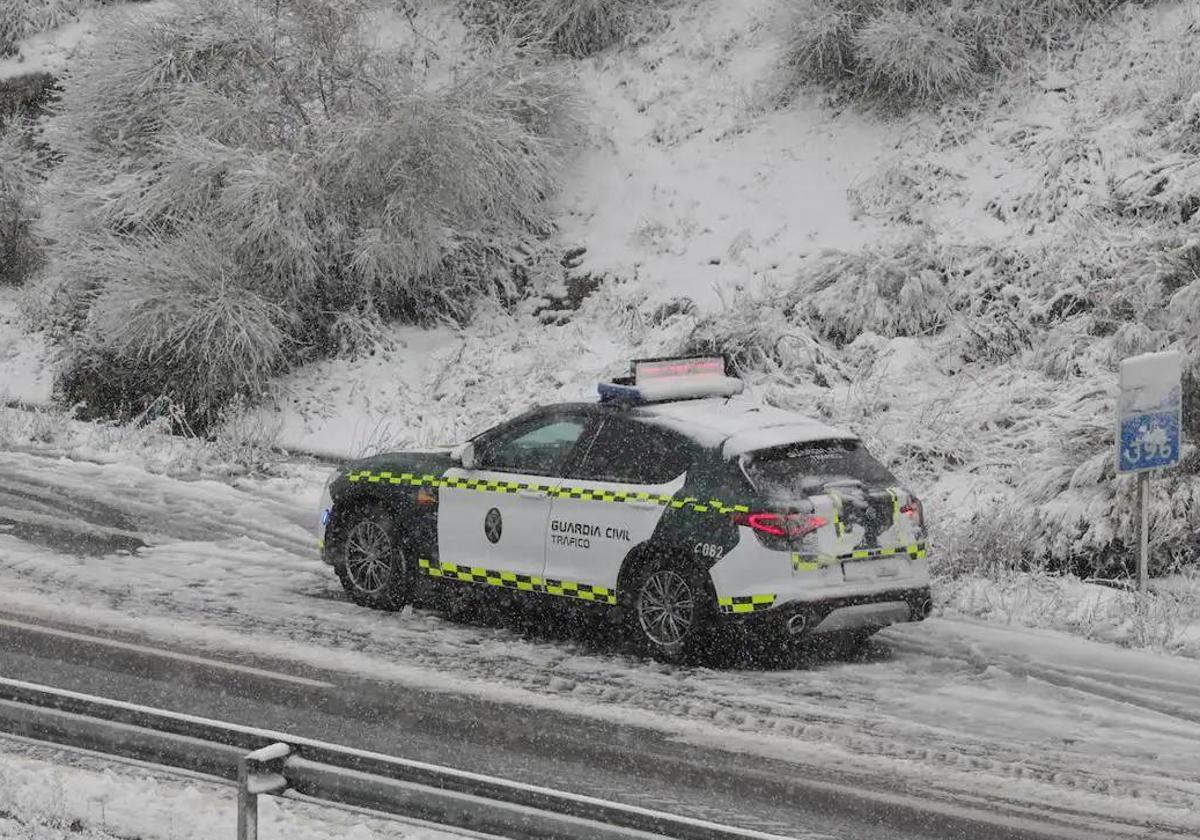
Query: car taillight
x=783, y=525
x=916, y=510
x=768, y=523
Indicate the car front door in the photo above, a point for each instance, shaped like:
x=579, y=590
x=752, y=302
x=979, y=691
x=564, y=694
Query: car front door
x=492, y=518
x=612, y=499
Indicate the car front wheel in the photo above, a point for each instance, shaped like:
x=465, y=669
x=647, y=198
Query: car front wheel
x=373, y=567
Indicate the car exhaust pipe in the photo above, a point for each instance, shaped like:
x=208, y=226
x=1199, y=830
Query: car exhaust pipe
x=797, y=624
x=924, y=610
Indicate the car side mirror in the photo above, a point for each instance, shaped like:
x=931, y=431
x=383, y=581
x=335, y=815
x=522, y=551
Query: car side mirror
x=465, y=455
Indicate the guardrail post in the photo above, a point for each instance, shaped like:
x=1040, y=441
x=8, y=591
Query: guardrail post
x=258, y=772
x=247, y=815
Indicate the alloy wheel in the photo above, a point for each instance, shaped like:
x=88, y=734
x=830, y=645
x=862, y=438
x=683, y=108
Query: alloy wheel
x=369, y=552
x=666, y=608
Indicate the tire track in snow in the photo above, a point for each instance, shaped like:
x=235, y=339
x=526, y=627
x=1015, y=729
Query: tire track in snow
x=86, y=497
x=1165, y=696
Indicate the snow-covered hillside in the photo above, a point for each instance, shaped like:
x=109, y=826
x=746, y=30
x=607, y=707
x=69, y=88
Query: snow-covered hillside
x=992, y=262
x=697, y=182
x=999, y=258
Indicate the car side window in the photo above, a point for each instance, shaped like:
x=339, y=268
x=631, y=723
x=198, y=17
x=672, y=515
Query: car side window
x=539, y=448
x=635, y=453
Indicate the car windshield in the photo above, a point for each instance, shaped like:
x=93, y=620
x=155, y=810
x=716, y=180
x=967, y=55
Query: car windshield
x=803, y=468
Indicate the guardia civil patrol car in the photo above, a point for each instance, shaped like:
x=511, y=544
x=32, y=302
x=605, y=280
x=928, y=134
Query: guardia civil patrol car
x=672, y=502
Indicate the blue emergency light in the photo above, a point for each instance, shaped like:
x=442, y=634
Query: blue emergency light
x=610, y=392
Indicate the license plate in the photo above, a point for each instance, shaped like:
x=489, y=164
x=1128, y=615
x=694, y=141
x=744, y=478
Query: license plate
x=886, y=567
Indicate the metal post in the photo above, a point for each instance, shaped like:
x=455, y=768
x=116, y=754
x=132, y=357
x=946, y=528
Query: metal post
x=258, y=772
x=1144, y=551
x=247, y=816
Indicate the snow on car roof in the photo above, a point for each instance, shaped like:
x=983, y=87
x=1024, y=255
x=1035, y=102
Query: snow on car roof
x=739, y=425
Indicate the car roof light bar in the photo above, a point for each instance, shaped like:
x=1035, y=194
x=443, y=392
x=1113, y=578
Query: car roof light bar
x=645, y=370
x=678, y=378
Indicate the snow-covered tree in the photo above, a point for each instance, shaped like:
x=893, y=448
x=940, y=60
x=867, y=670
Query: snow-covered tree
x=246, y=184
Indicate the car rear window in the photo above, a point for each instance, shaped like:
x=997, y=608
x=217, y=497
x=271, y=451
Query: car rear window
x=804, y=468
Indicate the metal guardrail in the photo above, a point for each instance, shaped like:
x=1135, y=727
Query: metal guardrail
x=266, y=762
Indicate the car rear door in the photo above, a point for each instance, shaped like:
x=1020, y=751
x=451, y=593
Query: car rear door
x=492, y=519
x=613, y=497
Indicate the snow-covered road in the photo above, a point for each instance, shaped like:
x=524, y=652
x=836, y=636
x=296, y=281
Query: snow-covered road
x=1026, y=721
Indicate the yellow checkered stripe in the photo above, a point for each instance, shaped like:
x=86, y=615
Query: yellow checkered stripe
x=838, y=525
x=746, y=603
x=813, y=562
x=582, y=591
x=414, y=480
x=523, y=583
x=586, y=494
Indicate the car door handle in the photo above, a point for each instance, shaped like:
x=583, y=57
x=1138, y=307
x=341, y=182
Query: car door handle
x=643, y=503
x=532, y=494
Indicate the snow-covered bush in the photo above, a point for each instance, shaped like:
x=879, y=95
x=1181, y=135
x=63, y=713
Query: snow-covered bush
x=987, y=541
x=19, y=253
x=32, y=427
x=911, y=56
x=760, y=338
x=247, y=184
x=822, y=41
x=1000, y=32
x=890, y=290
x=572, y=27
x=25, y=97
x=582, y=27
x=180, y=314
x=21, y=18
x=905, y=190
x=247, y=438
x=910, y=51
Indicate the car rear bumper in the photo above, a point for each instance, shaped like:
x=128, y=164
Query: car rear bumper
x=832, y=615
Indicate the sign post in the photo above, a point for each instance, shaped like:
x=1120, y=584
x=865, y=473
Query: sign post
x=1149, y=417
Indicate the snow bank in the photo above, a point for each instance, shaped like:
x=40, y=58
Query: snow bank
x=440, y=387
x=349, y=408
x=48, y=793
x=25, y=373
x=1166, y=619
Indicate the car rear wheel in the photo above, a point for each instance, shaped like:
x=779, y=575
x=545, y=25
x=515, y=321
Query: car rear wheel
x=670, y=612
x=373, y=567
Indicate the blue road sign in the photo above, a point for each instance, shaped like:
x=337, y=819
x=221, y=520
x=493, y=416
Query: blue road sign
x=1149, y=441
x=1149, y=410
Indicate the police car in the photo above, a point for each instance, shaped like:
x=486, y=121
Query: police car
x=672, y=502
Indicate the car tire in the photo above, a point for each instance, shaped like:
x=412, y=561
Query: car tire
x=670, y=612
x=372, y=563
